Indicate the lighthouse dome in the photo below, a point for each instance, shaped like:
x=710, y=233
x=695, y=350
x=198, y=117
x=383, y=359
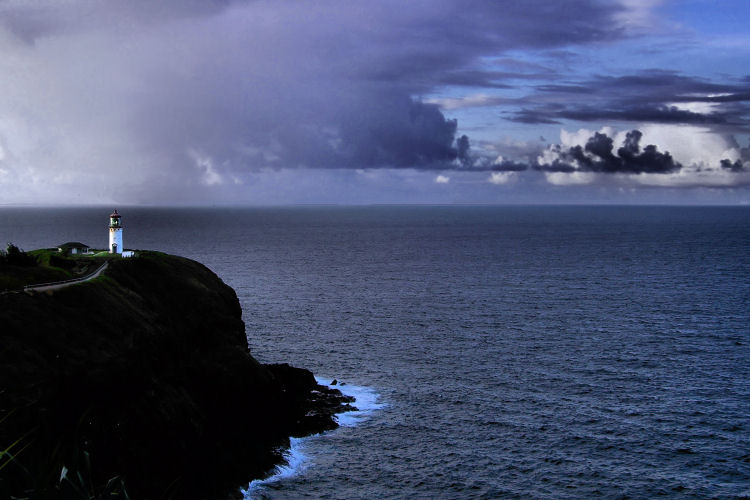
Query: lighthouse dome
x=114, y=215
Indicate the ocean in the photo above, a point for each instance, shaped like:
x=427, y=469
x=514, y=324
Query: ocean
x=495, y=352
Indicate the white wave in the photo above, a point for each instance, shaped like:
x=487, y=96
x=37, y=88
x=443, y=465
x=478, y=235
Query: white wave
x=366, y=402
x=295, y=463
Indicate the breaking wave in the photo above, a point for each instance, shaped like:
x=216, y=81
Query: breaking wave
x=295, y=458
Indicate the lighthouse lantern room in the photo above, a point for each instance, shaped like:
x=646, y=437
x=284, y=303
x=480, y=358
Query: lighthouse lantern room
x=115, y=233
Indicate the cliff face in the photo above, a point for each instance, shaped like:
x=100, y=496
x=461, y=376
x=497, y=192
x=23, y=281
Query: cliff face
x=145, y=370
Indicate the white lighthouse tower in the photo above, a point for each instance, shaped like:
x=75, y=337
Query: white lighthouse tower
x=115, y=233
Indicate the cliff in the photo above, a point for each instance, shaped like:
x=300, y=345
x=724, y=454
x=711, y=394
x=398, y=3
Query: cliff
x=145, y=372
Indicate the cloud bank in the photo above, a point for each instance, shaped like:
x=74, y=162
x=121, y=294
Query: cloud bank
x=153, y=102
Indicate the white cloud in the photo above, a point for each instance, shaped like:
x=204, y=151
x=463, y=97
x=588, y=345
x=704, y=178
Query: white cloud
x=698, y=149
x=639, y=15
x=570, y=179
x=442, y=179
x=500, y=178
x=579, y=137
x=205, y=165
x=700, y=107
x=689, y=144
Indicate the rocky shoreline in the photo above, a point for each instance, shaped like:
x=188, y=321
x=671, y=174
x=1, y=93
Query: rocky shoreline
x=143, y=377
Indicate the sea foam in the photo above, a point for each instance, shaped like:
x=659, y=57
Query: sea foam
x=295, y=458
x=366, y=401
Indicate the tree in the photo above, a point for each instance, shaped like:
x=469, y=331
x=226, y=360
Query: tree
x=14, y=256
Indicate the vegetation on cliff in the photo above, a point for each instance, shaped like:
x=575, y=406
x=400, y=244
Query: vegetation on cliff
x=145, y=371
x=19, y=268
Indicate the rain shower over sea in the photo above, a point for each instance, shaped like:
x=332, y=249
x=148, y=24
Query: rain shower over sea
x=545, y=352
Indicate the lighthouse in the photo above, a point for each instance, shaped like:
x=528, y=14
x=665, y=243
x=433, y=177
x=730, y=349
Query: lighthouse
x=115, y=233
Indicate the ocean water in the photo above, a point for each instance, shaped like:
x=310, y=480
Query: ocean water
x=544, y=352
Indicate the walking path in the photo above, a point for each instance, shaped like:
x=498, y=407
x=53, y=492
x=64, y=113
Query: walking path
x=61, y=284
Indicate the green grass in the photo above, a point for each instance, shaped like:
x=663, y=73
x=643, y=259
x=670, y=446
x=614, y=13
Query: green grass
x=50, y=266
x=15, y=278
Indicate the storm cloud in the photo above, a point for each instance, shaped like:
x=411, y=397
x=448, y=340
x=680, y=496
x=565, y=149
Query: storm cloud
x=193, y=100
x=656, y=96
x=598, y=156
x=262, y=84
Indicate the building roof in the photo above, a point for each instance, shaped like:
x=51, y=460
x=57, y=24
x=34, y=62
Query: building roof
x=115, y=214
x=72, y=244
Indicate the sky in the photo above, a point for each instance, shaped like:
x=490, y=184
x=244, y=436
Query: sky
x=222, y=102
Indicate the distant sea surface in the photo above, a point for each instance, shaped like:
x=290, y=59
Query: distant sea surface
x=547, y=352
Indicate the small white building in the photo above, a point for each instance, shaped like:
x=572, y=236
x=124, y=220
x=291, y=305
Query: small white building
x=73, y=248
x=115, y=233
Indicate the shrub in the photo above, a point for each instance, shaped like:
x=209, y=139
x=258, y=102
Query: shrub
x=14, y=256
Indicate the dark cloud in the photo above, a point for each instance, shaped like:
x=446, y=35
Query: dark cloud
x=739, y=96
x=429, y=45
x=649, y=161
x=736, y=166
x=564, y=89
x=204, y=91
x=657, y=114
x=597, y=156
x=730, y=119
x=414, y=135
x=463, y=152
x=534, y=117
x=655, y=96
